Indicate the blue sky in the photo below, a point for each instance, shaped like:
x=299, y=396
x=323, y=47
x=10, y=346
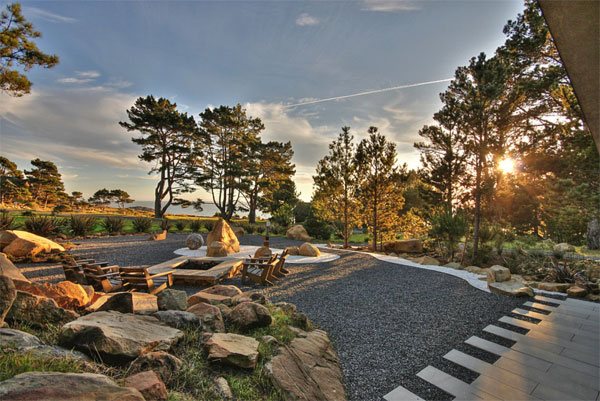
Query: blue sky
x=265, y=55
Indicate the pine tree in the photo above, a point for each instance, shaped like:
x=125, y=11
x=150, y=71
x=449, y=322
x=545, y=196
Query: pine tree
x=12, y=183
x=45, y=183
x=336, y=185
x=379, y=191
x=168, y=139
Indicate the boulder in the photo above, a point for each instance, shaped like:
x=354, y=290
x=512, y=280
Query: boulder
x=225, y=290
x=427, y=260
x=577, y=292
x=8, y=269
x=563, y=248
x=293, y=250
x=9, y=236
x=159, y=236
x=208, y=298
x=67, y=294
x=178, y=318
x=163, y=363
x=170, y=299
x=249, y=315
x=131, y=302
x=238, y=231
x=223, y=389
x=307, y=249
x=297, y=232
x=225, y=311
x=117, y=337
x=149, y=384
x=53, y=386
x=22, y=248
x=476, y=270
x=223, y=234
x=263, y=252
x=454, y=265
x=38, y=311
x=554, y=287
x=210, y=316
x=308, y=369
x=8, y=293
x=232, y=349
x=18, y=340
x=404, y=246
x=498, y=274
x=216, y=249
x=514, y=287
x=194, y=241
x=286, y=307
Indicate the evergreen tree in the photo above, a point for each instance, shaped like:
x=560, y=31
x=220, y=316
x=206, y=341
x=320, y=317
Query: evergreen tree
x=228, y=135
x=169, y=140
x=121, y=197
x=45, y=183
x=18, y=50
x=12, y=183
x=336, y=185
x=380, y=194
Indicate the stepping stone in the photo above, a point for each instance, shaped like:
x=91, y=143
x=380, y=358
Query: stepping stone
x=401, y=394
x=444, y=381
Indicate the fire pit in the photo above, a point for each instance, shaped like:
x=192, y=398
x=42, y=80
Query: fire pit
x=201, y=271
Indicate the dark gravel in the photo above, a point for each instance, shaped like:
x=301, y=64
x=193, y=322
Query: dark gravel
x=386, y=321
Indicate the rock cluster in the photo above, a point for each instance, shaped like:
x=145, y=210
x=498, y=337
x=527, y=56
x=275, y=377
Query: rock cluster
x=22, y=244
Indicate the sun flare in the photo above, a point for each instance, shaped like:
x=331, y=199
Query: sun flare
x=507, y=165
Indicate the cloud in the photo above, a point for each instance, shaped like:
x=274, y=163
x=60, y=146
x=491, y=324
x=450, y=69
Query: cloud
x=39, y=13
x=306, y=19
x=80, y=78
x=390, y=6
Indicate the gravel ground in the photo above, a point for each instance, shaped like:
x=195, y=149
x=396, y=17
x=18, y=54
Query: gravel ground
x=387, y=321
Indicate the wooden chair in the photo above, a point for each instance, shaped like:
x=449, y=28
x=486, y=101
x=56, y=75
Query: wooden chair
x=260, y=272
x=73, y=270
x=138, y=278
x=103, y=278
x=279, y=270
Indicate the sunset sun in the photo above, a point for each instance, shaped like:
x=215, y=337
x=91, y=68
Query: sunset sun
x=507, y=165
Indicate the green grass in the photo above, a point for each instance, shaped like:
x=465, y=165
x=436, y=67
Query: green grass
x=354, y=239
x=13, y=363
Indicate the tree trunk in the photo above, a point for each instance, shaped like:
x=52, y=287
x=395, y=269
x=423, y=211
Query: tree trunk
x=477, y=220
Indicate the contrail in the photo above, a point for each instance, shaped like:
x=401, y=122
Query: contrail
x=367, y=93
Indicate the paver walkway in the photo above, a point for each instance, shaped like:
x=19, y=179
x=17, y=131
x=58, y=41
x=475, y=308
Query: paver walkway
x=558, y=358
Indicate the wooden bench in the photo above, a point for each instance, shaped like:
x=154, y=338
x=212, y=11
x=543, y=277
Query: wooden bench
x=138, y=279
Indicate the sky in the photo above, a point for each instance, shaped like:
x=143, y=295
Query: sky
x=266, y=55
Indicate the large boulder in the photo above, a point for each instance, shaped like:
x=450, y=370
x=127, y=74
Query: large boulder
x=232, y=349
x=308, y=369
x=178, y=318
x=404, y=246
x=53, y=386
x=194, y=241
x=149, y=384
x=170, y=299
x=118, y=337
x=225, y=290
x=263, y=252
x=38, y=311
x=297, y=232
x=307, y=249
x=7, y=237
x=163, y=363
x=210, y=316
x=66, y=293
x=514, y=287
x=223, y=234
x=131, y=302
x=554, y=287
x=8, y=293
x=293, y=250
x=216, y=249
x=8, y=269
x=427, y=260
x=22, y=248
x=498, y=274
x=249, y=315
x=217, y=294
x=563, y=247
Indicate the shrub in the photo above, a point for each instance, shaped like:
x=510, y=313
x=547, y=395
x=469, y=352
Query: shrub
x=180, y=225
x=449, y=228
x=252, y=228
x=112, y=224
x=141, y=224
x=283, y=216
x=27, y=213
x=318, y=228
x=7, y=222
x=209, y=224
x=196, y=225
x=82, y=225
x=60, y=209
x=45, y=226
x=165, y=224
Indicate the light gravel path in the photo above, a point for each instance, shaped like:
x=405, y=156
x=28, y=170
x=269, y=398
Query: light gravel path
x=387, y=321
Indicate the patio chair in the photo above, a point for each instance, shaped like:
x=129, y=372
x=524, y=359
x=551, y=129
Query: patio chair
x=259, y=272
x=73, y=270
x=102, y=278
x=138, y=279
x=279, y=270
